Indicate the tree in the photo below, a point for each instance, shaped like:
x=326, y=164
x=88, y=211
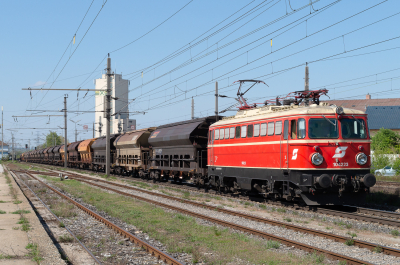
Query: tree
x=53, y=139
x=386, y=140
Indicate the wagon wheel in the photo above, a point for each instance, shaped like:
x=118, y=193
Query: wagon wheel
x=141, y=174
x=152, y=175
x=156, y=177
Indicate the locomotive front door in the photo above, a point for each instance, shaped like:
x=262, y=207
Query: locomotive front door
x=285, y=146
x=211, y=149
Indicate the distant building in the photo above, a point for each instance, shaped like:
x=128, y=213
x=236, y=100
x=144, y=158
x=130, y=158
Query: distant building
x=119, y=89
x=387, y=117
x=362, y=104
x=5, y=149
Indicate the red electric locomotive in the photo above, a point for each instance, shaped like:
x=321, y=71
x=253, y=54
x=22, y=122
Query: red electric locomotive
x=298, y=150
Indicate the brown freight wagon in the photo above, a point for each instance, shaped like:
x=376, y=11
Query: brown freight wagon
x=133, y=152
x=85, y=152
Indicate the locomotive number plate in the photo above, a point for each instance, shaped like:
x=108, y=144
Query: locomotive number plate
x=344, y=164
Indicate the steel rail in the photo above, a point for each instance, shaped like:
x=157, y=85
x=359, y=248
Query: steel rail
x=357, y=215
x=283, y=240
x=58, y=219
x=361, y=217
x=151, y=249
x=338, y=238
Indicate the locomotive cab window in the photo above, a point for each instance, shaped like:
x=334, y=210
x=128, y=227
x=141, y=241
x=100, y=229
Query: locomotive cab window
x=353, y=128
x=250, y=130
x=285, y=129
x=301, y=129
x=322, y=128
x=263, y=129
x=244, y=131
x=232, y=132
x=237, y=133
x=278, y=128
x=256, y=130
x=271, y=126
x=221, y=134
x=226, y=133
x=216, y=134
x=293, y=129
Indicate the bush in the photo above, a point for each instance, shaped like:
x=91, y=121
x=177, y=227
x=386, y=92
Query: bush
x=396, y=166
x=385, y=140
x=379, y=160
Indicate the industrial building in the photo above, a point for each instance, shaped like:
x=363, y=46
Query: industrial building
x=119, y=103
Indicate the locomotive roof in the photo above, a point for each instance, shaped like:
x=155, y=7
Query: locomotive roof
x=266, y=112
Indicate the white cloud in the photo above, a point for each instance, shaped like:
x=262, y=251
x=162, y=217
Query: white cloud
x=39, y=83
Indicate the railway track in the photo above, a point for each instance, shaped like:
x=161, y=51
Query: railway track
x=350, y=212
x=149, y=248
x=359, y=243
x=14, y=175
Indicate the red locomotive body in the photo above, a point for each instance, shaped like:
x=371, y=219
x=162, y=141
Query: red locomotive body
x=318, y=154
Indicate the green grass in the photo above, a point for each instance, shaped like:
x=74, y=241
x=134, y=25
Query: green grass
x=395, y=232
x=3, y=256
x=61, y=224
x=65, y=239
x=23, y=220
x=378, y=249
x=287, y=219
x=34, y=252
x=181, y=233
x=281, y=210
x=2, y=201
x=17, y=202
x=349, y=242
x=21, y=212
x=353, y=235
x=2, y=212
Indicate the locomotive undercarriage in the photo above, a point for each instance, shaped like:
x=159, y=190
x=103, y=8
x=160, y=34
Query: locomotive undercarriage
x=316, y=187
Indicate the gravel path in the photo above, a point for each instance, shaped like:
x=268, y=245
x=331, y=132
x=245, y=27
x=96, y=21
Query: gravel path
x=351, y=251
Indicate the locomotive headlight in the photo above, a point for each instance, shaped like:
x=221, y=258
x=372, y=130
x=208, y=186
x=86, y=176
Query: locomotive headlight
x=361, y=159
x=317, y=159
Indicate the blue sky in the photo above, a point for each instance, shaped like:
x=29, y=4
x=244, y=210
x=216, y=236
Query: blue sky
x=219, y=41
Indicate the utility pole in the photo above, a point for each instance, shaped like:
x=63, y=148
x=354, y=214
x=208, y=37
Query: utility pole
x=216, y=101
x=2, y=125
x=306, y=83
x=192, y=108
x=12, y=146
x=65, y=130
x=108, y=115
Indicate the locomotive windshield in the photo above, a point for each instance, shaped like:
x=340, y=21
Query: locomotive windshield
x=322, y=128
x=353, y=128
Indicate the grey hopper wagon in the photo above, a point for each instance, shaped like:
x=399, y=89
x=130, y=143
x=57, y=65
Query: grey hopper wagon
x=132, y=152
x=180, y=149
x=99, y=152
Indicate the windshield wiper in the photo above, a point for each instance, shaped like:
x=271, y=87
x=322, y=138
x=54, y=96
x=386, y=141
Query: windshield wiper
x=361, y=123
x=334, y=124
